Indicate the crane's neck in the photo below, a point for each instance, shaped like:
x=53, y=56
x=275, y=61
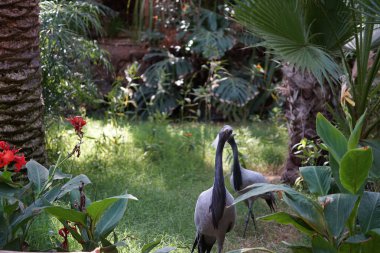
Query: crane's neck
x=236, y=169
x=218, y=198
x=219, y=179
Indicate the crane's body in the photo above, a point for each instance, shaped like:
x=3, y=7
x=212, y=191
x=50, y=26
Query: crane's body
x=241, y=178
x=212, y=217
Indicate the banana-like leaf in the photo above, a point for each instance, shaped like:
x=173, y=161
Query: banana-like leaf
x=338, y=208
x=353, y=141
x=318, y=179
x=288, y=219
x=234, y=90
x=74, y=183
x=375, y=145
x=310, y=211
x=369, y=211
x=96, y=209
x=37, y=174
x=110, y=216
x=67, y=214
x=354, y=168
x=298, y=248
x=321, y=245
x=332, y=137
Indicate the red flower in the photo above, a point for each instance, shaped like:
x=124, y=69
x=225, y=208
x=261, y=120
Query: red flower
x=78, y=123
x=4, y=145
x=20, y=161
x=6, y=157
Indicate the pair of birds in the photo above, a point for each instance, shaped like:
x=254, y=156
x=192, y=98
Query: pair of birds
x=214, y=216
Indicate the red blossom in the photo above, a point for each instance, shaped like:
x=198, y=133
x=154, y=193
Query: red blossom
x=20, y=161
x=9, y=155
x=4, y=145
x=6, y=157
x=78, y=123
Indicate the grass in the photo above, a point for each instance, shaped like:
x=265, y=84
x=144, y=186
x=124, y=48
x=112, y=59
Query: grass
x=166, y=166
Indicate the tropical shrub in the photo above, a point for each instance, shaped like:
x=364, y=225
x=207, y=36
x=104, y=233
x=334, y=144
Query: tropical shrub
x=337, y=219
x=200, y=67
x=68, y=52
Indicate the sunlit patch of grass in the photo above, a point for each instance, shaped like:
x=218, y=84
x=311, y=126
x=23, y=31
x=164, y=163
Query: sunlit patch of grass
x=166, y=166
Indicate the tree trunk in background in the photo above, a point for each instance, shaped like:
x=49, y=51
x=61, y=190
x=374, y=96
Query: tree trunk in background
x=21, y=104
x=305, y=97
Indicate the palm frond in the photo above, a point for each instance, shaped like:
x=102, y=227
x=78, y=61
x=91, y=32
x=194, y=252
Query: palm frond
x=293, y=30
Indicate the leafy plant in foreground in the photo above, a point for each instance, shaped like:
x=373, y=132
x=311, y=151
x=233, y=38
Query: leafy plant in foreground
x=348, y=221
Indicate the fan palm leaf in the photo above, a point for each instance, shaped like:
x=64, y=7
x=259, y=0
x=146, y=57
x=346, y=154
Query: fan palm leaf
x=303, y=33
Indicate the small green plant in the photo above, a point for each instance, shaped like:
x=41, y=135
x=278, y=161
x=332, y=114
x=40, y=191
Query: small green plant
x=347, y=221
x=309, y=152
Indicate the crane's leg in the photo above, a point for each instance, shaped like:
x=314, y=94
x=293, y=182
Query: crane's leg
x=220, y=244
x=246, y=223
x=252, y=216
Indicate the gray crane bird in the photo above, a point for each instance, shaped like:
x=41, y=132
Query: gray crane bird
x=241, y=178
x=213, y=219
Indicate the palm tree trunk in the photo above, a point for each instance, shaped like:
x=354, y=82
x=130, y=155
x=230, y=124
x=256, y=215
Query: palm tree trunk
x=305, y=97
x=21, y=104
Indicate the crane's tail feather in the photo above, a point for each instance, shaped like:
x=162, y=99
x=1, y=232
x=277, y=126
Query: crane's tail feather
x=195, y=243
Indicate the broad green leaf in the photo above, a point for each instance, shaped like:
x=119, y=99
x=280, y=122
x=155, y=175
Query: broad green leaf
x=369, y=211
x=318, y=179
x=321, y=245
x=37, y=174
x=338, y=208
x=6, y=177
x=74, y=183
x=150, y=246
x=67, y=214
x=6, y=190
x=97, y=208
x=261, y=188
x=298, y=248
x=286, y=219
x=334, y=165
x=353, y=141
x=357, y=239
x=332, y=137
x=110, y=218
x=307, y=209
x=375, y=145
x=354, y=168
x=29, y=212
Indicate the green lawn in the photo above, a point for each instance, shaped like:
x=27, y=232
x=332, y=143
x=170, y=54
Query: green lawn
x=166, y=166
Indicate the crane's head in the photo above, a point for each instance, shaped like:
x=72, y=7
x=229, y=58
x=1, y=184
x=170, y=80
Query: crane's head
x=225, y=133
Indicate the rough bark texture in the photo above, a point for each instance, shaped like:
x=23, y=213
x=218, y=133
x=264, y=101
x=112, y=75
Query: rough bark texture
x=21, y=104
x=305, y=97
